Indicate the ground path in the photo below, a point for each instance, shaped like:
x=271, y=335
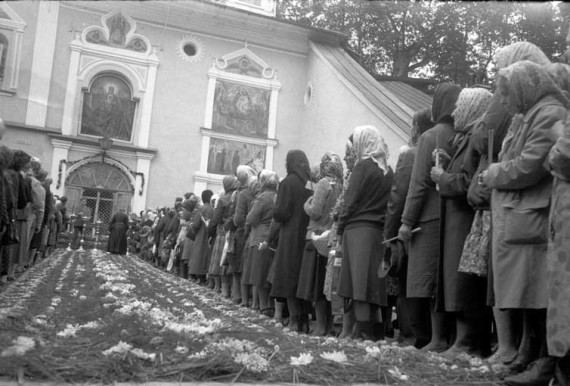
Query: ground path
x=95, y=317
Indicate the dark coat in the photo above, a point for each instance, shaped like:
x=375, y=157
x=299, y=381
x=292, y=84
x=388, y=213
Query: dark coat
x=422, y=207
x=290, y=214
x=399, y=191
x=118, y=237
x=198, y=261
x=456, y=291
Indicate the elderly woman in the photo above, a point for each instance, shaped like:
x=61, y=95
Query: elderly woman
x=521, y=195
x=360, y=225
x=319, y=208
x=222, y=215
x=236, y=226
x=198, y=229
x=422, y=210
x=496, y=121
x=458, y=293
x=242, y=211
x=288, y=212
x=259, y=219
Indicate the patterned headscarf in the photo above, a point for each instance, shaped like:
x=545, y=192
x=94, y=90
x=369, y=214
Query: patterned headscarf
x=268, y=179
x=527, y=83
x=368, y=143
x=253, y=185
x=560, y=74
x=520, y=51
x=331, y=166
x=470, y=106
x=243, y=173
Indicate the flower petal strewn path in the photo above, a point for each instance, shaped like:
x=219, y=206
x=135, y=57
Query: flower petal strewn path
x=95, y=317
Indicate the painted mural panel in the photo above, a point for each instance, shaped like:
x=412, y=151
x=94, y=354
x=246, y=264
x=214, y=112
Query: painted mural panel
x=240, y=110
x=225, y=156
x=108, y=109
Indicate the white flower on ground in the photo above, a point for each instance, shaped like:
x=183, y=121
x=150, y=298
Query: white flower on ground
x=69, y=331
x=373, y=352
x=335, y=356
x=302, y=360
x=181, y=349
x=119, y=348
x=198, y=355
x=395, y=372
x=482, y=369
x=142, y=355
x=21, y=345
x=252, y=362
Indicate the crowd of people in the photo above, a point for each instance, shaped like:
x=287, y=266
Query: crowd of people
x=31, y=217
x=468, y=238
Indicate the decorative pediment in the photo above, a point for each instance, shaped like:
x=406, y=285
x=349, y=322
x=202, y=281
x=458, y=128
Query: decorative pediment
x=117, y=31
x=245, y=62
x=9, y=18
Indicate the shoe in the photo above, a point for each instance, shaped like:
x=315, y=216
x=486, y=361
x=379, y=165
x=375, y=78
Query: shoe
x=269, y=312
x=520, y=364
x=538, y=374
x=497, y=359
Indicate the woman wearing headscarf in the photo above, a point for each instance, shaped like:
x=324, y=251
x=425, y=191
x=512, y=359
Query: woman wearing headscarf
x=259, y=219
x=289, y=213
x=497, y=120
x=521, y=197
x=313, y=268
x=410, y=312
x=239, y=208
x=360, y=225
x=422, y=210
x=460, y=294
x=222, y=216
x=240, y=217
x=198, y=228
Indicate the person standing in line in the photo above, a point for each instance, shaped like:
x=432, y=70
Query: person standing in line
x=83, y=217
x=198, y=260
x=288, y=212
x=422, y=210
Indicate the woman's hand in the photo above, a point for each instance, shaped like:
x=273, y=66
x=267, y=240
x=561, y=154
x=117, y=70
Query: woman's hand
x=436, y=173
x=263, y=246
x=483, y=178
x=405, y=232
x=444, y=158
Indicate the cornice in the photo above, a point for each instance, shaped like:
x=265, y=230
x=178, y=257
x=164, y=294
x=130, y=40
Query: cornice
x=238, y=138
x=90, y=143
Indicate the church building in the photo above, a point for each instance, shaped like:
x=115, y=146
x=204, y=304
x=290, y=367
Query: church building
x=130, y=104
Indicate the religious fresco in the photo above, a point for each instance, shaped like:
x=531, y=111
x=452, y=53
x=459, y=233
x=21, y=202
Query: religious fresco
x=225, y=156
x=240, y=110
x=108, y=109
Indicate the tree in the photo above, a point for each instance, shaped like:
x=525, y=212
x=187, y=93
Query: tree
x=453, y=41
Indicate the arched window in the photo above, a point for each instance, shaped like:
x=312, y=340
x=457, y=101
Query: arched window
x=3, y=56
x=108, y=108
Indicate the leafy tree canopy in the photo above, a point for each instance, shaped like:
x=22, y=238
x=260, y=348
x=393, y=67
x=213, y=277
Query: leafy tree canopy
x=453, y=41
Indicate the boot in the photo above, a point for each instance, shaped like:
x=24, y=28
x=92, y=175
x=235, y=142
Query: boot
x=539, y=374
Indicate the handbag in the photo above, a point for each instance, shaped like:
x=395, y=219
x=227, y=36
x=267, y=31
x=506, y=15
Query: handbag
x=11, y=236
x=475, y=256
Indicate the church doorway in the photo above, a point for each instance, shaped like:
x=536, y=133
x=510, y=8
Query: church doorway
x=105, y=187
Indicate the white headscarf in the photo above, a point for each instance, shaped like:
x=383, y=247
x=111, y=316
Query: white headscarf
x=368, y=143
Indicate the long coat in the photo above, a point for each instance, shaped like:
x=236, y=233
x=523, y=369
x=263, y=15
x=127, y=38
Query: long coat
x=289, y=212
x=520, y=204
x=118, y=237
x=558, y=262
x=456, y=291
x=422, y=210
x=199, y=253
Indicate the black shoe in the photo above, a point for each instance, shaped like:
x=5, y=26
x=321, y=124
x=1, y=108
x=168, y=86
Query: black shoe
x=538, y=374
x=520, y=364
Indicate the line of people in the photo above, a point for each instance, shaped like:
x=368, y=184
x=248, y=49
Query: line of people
x=468, y=238
x=30, y=216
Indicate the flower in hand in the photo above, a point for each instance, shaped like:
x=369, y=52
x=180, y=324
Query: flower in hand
x=436, y=173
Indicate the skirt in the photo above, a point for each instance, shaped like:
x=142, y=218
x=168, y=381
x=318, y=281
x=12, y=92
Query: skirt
x=362, y=251
x=247, y=272
x=312, y=276
x=235, y=258
x=261, y=266
x=217, y=250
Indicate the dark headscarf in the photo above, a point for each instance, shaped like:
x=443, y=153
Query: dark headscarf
x=230, y=183
x=297, y=163
x=560, y=74
x=444, y=100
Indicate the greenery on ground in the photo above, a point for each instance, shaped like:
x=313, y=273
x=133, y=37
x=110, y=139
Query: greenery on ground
x=95, y=317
